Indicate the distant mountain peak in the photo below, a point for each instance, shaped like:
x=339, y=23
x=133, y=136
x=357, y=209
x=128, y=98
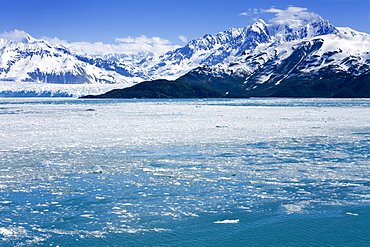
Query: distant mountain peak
x=259, y=27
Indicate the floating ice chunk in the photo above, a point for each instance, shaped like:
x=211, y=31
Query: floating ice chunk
x=13, y=232
x=227, y=221
x=87, y=216
x=352, y=214
x=6, y=232
x=292, y=208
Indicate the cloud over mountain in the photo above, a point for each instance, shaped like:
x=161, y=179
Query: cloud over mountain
x=15, y=35
x=292, y=14
x=125, y=45
x=183, y=38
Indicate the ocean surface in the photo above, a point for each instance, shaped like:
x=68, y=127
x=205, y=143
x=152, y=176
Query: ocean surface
x=227, y=172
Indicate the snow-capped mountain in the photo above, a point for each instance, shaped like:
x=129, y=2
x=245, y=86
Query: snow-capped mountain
x=30, y=63
x=281, y=58
x=332, y=64
x=215, y=49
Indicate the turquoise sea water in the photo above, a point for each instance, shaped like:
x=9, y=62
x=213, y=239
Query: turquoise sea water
x=241, y=172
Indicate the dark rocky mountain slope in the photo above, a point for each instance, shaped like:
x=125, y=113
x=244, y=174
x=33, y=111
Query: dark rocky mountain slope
x=160, y=89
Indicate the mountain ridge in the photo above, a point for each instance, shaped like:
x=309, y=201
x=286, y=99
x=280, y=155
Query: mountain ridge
x=249, y=61
x=307, y=60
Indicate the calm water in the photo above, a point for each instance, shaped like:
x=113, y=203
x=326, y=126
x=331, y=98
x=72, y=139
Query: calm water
x=251, y=172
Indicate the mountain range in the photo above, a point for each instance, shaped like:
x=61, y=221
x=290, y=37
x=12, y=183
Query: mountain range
x=302, y=57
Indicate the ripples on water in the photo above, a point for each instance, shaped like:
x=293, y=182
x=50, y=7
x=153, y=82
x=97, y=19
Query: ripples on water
x=251, y=172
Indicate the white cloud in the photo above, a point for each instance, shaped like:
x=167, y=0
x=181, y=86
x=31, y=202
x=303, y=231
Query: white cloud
x=291, y=13
x=245, y=13
x=55, y=41
x=143, y=40
x=15, y=35
x=155, y=45
x=126, y=45
x=183, y=38
x=251, y=12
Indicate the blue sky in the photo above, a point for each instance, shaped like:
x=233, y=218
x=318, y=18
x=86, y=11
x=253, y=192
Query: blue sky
x=174, y=22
